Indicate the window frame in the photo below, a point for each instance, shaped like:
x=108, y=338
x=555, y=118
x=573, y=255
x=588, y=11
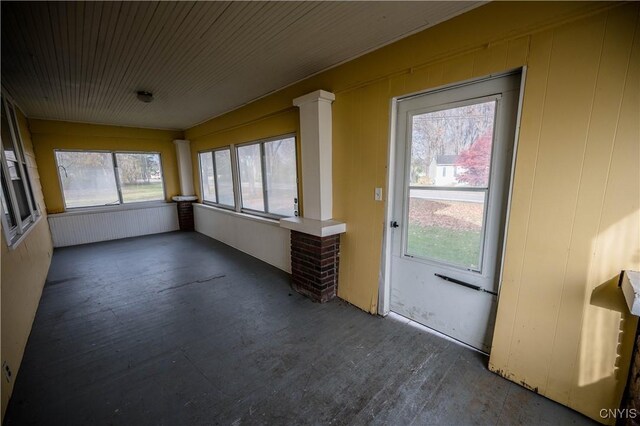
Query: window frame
x=232, y=155
x=114, y=160
x=15, y=234
x=263, y=161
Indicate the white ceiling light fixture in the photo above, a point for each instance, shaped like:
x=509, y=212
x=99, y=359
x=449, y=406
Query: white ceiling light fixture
x=144, y=96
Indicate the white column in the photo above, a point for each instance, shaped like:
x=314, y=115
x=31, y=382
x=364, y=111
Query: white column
x=315, y=135
x=317, y=181
x=185, y=168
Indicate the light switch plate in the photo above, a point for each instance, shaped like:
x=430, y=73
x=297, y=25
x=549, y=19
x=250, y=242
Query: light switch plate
x=378, y=194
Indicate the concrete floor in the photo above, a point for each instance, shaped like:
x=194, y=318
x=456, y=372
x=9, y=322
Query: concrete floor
x=179, y=329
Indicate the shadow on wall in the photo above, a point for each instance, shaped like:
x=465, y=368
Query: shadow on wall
x=608, y=328
x=610, y=313
x=607, y=342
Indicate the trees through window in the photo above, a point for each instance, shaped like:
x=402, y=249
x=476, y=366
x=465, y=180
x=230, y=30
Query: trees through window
x=216, y=177
x=98, y=178
x=266, y=171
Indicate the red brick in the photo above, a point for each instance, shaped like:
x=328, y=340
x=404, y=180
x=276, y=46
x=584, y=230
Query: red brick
x=185, y=215
x=314, y=265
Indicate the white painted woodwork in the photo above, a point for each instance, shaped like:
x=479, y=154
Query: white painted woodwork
x=319, y=228
x=259, y=237
x=315, y=142
x=185, y=167
x=184, y=198
x=631, y=289
x=90, y=226
x=84, y=61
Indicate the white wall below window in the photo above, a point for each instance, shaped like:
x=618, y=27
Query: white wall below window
x=90, y=226
x=258, y=237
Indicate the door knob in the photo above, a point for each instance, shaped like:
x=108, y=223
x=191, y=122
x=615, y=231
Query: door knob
x=394, y=224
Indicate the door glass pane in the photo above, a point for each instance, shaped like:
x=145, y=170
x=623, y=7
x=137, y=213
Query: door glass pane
x=206, y=177
x=452, y=147
x=250, y=165
x=140, y=177
x=280, y=162
x=87, y=178
x=447, y=226
x=224, y=177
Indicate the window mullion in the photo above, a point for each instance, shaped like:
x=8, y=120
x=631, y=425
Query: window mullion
x=201, y=177
x=263, y=163
x=117, y=176
x=215, y=176
x=235, y=178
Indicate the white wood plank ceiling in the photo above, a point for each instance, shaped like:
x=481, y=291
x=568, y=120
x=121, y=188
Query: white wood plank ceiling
x=84, y=61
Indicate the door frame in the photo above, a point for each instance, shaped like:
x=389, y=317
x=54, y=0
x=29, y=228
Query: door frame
x=384, y=284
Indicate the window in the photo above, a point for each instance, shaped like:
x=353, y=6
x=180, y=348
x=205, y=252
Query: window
x=140, y=176
x=268, y=176
x=216, y=177
x=99, y=178
x=262, y=174
x=19, y=209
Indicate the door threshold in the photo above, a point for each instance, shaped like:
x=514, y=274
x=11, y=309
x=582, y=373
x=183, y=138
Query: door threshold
x=397, y=317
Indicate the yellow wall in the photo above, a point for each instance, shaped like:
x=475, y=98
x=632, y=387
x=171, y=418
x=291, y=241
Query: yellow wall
x=50, y=135
x=24, y=270
x=575, y=216
x=562, y=324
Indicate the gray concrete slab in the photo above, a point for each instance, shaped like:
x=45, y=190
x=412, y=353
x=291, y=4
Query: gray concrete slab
x=180, y=329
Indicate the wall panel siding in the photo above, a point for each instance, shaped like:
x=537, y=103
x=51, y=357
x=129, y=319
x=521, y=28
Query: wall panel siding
x=24, y=271
x=603, y=122
x=578, y=327
x=563, y=132
x=574, y=218
x=260, y=238
x=70, y=229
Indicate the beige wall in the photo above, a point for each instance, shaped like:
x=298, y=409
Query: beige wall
x=24, y=270
x=50, y=135
x=562, y=326
x=575, y=215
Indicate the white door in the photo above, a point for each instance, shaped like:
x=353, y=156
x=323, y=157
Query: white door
x=453, y=158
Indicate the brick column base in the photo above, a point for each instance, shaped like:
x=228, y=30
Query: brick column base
x=185, y=215
x=314, y=265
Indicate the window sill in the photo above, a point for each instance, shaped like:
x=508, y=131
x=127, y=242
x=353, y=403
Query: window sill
x=116, y=208
x=265, y=220
x=14, y=244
